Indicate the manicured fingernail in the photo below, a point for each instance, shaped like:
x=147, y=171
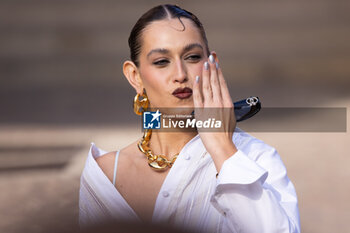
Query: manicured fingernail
x=206, y=65
x=211, y=59
x=217, y=65
x=197, y=79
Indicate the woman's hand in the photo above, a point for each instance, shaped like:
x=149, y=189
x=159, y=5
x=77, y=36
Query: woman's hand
x=212, y=100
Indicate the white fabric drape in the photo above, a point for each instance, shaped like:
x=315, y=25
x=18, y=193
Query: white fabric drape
x=251, y=194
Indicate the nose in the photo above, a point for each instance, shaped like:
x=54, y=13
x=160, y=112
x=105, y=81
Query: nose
x=180, y=73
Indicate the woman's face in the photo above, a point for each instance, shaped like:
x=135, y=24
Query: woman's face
x=169, y=60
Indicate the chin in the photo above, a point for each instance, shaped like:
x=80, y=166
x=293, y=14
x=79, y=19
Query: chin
x=177, y=108
x=187, y=104
x=184, y=108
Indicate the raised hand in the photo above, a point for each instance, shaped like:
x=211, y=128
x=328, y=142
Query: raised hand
x=212, y=99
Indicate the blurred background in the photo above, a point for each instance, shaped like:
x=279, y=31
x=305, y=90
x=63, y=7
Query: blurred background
x=62, y=88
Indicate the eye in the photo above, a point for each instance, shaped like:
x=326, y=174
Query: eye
x=161, y=62
x=194, y=58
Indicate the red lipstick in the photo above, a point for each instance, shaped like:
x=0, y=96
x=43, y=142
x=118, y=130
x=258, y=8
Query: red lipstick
x=182, y=93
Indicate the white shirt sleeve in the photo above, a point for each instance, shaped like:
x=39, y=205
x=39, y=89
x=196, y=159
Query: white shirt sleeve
x=255, y=194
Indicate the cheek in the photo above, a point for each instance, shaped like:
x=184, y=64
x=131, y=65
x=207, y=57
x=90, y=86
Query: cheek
x=198, y=69
x=152, y=79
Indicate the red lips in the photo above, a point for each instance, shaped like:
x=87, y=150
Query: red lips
x=183, y=93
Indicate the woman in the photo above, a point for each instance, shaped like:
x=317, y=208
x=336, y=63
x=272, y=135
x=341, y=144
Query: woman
x=210, y=181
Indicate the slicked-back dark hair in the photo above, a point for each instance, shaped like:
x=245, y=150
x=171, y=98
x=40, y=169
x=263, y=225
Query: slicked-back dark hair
x=160, y=12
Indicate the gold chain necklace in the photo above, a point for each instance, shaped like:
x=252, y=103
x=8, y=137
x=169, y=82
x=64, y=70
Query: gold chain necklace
x=157, y=162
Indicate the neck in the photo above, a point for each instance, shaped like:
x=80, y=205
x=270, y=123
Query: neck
x=170, y=143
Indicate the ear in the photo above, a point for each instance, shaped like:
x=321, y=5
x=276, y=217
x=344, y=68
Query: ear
x=215, y=56
x=132, y=74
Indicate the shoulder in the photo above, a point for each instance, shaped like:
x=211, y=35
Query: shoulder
x=106, y=163
x=106, y=159
x=128, y=155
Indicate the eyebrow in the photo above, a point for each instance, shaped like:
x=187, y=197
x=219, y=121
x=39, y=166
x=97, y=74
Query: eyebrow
x=185, y=49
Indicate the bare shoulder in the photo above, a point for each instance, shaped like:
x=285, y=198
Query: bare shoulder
x=106, y=163
x=126, y=159
x=129, y=156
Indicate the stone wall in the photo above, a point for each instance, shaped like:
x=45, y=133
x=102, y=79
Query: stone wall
x=60, y=61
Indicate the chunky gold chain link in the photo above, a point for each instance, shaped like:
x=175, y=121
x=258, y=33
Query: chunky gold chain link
x=157, y=162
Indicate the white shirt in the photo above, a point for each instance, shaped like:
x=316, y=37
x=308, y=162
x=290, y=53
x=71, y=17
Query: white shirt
x=251, y=194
